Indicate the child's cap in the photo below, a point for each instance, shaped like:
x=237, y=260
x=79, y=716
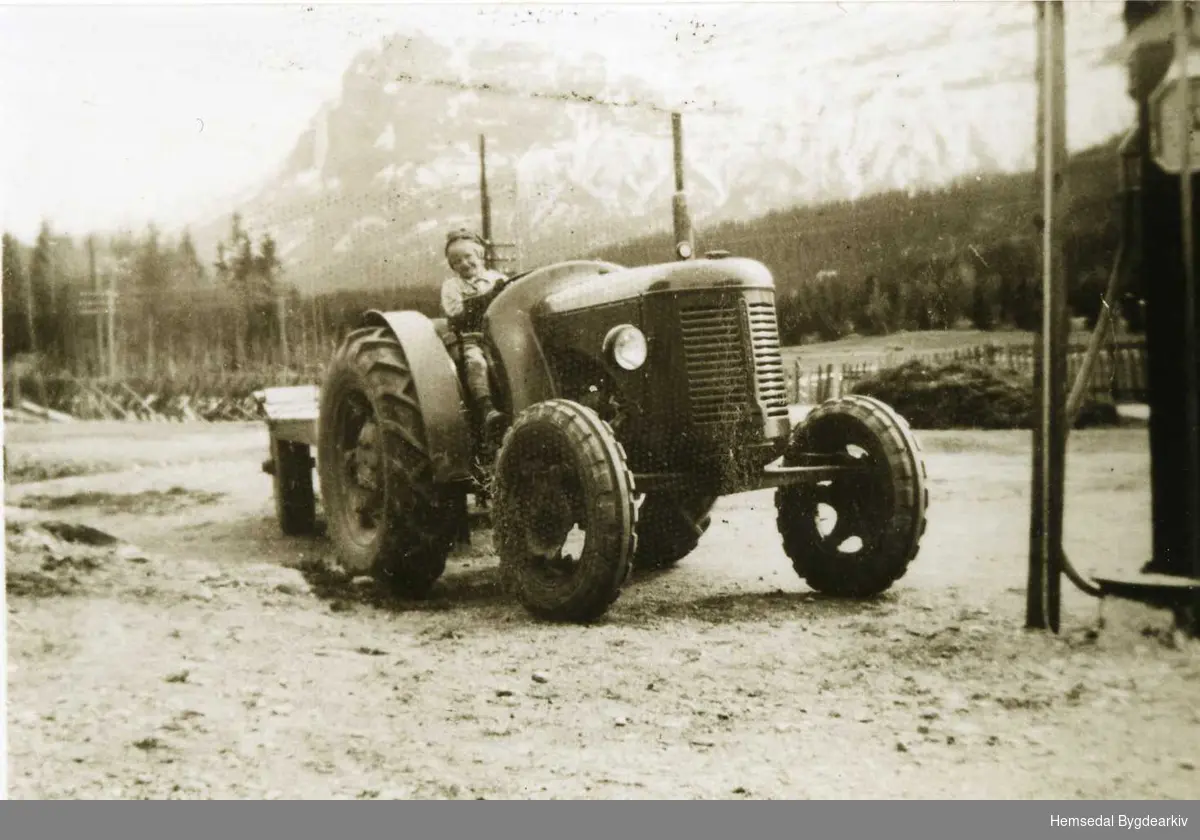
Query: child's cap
x=460, y=235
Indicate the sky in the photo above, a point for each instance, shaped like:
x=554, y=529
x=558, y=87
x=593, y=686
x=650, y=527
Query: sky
x=114, y=115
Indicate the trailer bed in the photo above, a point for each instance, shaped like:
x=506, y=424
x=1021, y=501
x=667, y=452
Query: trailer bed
x=291, y=412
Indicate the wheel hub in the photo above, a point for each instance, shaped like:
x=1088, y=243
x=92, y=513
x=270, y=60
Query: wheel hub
x=550, y=518
x=840, y=518
x=362, y=467
x=365, y=457
x=846, y=515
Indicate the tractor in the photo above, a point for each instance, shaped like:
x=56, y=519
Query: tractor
x=634, y=398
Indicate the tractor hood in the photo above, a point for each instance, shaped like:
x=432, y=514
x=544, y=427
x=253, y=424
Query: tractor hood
x=586, y=289
x=563, y=298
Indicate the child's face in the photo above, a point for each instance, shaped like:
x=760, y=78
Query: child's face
x=465, y=258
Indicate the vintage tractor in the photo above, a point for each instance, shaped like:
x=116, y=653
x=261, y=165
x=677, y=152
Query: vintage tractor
x=635, y=398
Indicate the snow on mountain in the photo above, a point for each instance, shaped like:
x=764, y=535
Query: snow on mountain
x=776, y=114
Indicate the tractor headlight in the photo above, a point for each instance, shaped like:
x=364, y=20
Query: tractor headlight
x=626, y=346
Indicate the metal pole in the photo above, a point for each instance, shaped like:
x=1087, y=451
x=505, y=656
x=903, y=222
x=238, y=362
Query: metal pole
x=682, y=219
x=1049, y=444
x=485, y=205
x=1059, y=324
x=677, y=146
x=1192, y=361
x=1035, y=616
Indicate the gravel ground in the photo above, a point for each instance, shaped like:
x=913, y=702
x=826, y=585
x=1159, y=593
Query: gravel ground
x=199, y=654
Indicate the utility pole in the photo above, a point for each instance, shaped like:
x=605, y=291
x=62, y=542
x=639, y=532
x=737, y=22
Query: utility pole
x=1049, y=377
x=281, y=312
x=94, y=279
x=111, y=312
x=31, y=312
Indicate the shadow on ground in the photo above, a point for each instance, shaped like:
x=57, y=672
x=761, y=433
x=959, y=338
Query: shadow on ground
x=461, y=589
x=479, y=589
x=756, y=606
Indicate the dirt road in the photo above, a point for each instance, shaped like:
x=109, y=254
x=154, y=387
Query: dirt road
x=193, y=660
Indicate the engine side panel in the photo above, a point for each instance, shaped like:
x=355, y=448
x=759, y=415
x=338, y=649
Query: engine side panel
x=574, y=343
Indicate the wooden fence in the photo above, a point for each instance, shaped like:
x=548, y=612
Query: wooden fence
x=1118, y=374
x=60, y=397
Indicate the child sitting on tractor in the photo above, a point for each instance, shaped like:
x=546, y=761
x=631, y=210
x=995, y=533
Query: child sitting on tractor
x=465, y=297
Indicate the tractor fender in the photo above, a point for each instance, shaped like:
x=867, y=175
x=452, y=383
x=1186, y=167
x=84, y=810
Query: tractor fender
x=447, y=433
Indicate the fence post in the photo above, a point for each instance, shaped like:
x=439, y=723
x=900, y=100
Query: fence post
x=1113, y=380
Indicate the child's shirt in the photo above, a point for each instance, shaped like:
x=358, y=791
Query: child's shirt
x=456, y=291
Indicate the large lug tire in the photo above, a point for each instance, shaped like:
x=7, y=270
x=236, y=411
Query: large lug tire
x=561, y=471
x=670, y=526
x=292, y=474
x=881, y=509
x=386, y=515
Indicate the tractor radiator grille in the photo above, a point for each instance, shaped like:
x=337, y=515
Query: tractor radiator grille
x=768, y=363
x=718, y=381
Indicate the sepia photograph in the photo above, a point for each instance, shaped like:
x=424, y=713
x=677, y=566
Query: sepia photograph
x=602, y=400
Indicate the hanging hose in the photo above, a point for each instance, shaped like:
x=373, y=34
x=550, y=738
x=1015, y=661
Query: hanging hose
x=1079, y=388
x=1076, y=578
x=1083, y=377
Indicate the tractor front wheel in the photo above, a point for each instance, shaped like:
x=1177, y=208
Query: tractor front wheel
x=563, y=514
x=855, y=535
x=386, y=515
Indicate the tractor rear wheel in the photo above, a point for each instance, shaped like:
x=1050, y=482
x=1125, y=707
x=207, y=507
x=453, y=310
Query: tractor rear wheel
x=563, y=514
x=387, y=517
x=878, y=513
x=670, y=526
